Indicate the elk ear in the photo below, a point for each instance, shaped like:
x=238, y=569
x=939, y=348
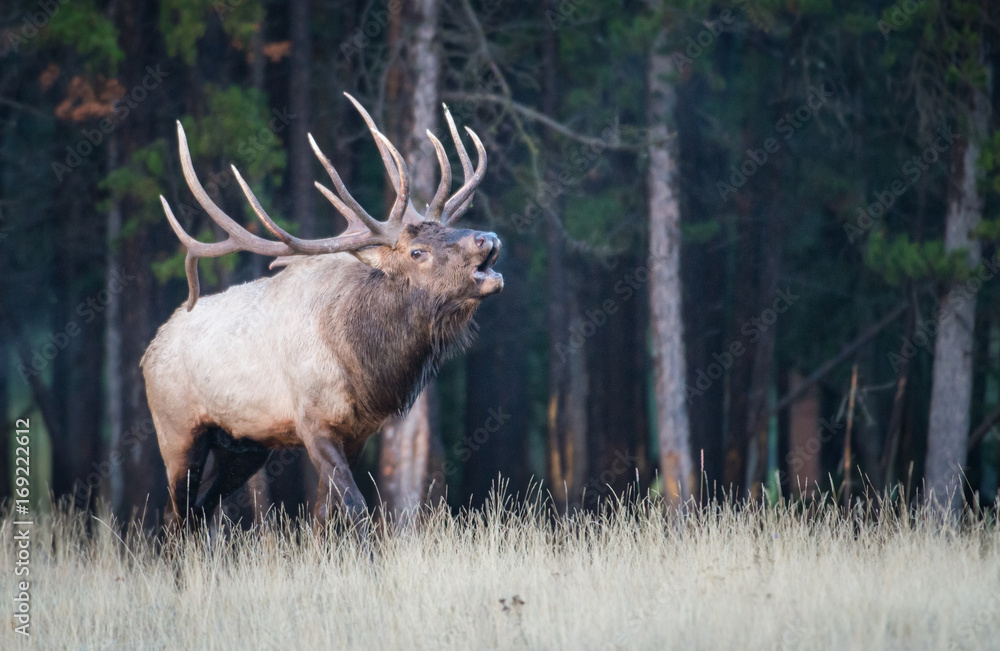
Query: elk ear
x=373, y=256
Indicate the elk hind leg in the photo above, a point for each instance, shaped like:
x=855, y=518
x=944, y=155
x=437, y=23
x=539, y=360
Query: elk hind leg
x=185, y=465
x=235, y=461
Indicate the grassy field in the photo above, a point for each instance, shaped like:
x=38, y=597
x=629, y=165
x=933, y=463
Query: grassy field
x=513, y=578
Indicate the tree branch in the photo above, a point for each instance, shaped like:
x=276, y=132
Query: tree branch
x=541, y=118
x=984, y=428
x=844, y=353
x=27, y=109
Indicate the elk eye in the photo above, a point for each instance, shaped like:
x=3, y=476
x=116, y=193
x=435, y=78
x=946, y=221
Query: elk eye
x=416, y=254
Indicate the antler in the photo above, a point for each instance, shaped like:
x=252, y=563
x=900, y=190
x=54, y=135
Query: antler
x=362, y=231
x=461, y=200
x=437, y=210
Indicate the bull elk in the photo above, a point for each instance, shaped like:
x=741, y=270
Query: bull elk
x=323, y=352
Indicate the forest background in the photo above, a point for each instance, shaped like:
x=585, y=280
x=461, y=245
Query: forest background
x=750, y=246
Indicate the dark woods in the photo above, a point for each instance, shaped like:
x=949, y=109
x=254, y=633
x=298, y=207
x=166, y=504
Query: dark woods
x=748, y=246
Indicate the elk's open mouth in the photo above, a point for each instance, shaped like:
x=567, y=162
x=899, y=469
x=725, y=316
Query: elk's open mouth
x=485, y=268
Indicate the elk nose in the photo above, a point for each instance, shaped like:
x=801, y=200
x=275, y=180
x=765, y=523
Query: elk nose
x=480, y=241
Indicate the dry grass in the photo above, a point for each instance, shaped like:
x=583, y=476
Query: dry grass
x=752, y=578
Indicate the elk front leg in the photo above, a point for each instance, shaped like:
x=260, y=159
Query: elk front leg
x=336, y=486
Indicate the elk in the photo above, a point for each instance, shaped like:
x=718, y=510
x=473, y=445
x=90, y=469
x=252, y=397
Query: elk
x=320, y=354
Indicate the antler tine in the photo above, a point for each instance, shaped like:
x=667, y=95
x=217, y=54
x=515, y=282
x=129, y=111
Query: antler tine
x=238, y=240
x=387, y=158
x=353, y=223
x=344, y=242
x=269, y=224
x=462, y=153
x=200, y=249
x=352, y=207
x=410, y=214
x=437, y=203
x=195, y=250
x=461, y=200
x=395, y=220
x=241, y=237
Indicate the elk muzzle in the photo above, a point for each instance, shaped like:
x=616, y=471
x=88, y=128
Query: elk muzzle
x=487, y=246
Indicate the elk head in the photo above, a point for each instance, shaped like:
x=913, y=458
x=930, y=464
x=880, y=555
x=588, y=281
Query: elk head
x=421, y=250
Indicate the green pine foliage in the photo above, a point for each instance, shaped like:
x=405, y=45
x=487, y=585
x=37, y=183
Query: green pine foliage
x=85, y=28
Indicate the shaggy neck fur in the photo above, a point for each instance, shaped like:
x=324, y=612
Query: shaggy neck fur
x=396, y=337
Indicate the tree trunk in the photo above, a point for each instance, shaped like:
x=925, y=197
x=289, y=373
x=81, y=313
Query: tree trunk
x=5, y=422
x=300, y=156
x=135, y=457
x=83, y=413
x=60, y=386
x=138, y=476
x=425, y=59
x=403, y=461
x=704, y=274
x=114, y=409
x=617, y=419
x=804, y=442
x=562, y=438
x=406, y=443
x=566, y=440
x=738, y=380
x=758, y=415
x=664, y=280
x=977, y=462
x=6, y=346
x=951, y=392
x=76, y=396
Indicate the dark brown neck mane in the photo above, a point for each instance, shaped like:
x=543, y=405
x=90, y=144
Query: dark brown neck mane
x=393, y=337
